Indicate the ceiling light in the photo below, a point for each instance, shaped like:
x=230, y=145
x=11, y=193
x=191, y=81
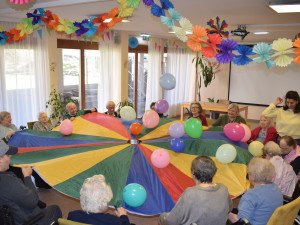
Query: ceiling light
x=145, y=35
x=285, y=6
x=261, y=32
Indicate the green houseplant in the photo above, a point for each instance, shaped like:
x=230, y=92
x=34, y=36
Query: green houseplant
x=123, y=103
x=58, y=105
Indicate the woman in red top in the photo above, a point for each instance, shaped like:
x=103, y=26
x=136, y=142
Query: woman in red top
x=265, y=132
x=196, y=110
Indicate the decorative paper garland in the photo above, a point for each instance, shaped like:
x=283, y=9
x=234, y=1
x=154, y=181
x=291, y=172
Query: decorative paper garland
x=206, y=42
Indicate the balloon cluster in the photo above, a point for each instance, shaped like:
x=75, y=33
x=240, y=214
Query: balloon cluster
x=237, y=132
x=176, y=130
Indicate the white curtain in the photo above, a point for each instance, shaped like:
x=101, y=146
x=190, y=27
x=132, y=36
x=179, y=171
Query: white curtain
x=179, y=64
x=155, y=53
x=24, y=76
x=109, y=88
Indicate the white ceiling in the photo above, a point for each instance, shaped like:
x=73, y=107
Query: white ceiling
x=255, y=14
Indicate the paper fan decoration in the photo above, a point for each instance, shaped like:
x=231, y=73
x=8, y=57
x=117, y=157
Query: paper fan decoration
x=216, y=25
x=297, y=50
x=185, y=27
x=158, y=11
x=170, y=22
x=3, y=38
x=283, y=47
x=113, y=16
x=133, y=42
x=148, y=2
x=226, y=47
x=36, y=15
x=80, y=28
x=133, y=3
x=91, y=27
x=195, y=40
x=263, y=50
x=210, y=48
x=124, y=10
x=243, y=59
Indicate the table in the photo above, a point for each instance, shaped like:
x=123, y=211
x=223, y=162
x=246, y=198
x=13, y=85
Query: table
x=215, y=107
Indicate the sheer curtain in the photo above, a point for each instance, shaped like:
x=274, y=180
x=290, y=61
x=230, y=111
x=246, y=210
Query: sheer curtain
x=179, y=64
x=154, y=91
x=24, y=77
x=109, y=88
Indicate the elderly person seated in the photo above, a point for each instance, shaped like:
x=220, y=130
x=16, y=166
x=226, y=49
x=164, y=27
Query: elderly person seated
x=72, y=112
x=206, y=203
x=264, y=132
x=232, y=116
x=196, y=110
x=7, y=129
x=152, y=107
x=21, y=196
x=95, y=196
x=285, y=177
x=42, y=124
x=291, y=152
x=258, y=204
x=110, y=106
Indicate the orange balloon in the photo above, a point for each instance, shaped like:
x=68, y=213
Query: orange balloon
x=135, y=128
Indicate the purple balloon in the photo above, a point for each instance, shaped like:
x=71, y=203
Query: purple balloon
x=161, y=106
x=234, y=131
x=176, y=130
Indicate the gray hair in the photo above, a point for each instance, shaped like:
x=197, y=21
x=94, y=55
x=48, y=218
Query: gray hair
x=269, y=119
x=95, y=194
x=40, y=114
x=67, y=106
x=198, y=104
x=109, y=103
x=203, y=168
x=272, y=149
x=3, y=114
x=235, y=106
x=262, y=170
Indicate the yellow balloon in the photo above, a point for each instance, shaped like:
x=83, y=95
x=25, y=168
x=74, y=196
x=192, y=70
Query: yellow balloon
x=256, y=148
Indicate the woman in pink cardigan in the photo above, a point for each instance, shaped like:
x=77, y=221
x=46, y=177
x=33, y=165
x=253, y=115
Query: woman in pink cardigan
x=264, y=132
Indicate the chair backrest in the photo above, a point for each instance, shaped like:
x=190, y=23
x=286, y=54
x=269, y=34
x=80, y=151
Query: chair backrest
x=68, y=222
x=285, y=214
x=224, y=101
x=30, y=124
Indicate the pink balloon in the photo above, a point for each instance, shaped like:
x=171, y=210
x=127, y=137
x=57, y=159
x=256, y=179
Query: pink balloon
x=160, y=158
x=234, y=131
x=150, y=119
x=66, y=127
x=247, y=133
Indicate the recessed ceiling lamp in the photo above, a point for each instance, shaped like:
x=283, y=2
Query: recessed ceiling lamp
x=285, y=6
x=261, y=32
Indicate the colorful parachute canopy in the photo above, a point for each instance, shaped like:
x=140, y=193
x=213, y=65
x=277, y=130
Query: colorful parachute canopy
x=100, y=144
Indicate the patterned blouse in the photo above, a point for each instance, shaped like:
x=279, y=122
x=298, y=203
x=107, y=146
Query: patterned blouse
x=39, y=126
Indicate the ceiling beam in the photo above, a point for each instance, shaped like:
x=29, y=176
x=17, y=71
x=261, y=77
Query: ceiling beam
x=56, y=3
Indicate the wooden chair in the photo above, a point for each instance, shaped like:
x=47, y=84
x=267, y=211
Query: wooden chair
x=68, y=222
x=286, y=214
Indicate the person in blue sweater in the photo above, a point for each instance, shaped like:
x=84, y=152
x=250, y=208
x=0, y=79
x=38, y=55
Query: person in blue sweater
x=258, y=204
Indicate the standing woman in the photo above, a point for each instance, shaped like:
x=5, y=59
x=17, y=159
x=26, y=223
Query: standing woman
x=288, y=116
x=196, y=110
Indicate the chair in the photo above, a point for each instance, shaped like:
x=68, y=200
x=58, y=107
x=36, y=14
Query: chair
x=286, y=214
x=68, y=222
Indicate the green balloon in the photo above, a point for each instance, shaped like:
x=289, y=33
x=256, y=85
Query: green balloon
x=193, y=128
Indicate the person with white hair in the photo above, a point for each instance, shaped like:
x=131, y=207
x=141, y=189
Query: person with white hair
x=110, y=106
x=72, y=112
x=285, y=177
x=265, y=132
x=7, y=129
x=231, y=117
x=42, y=124
x=95, y=196
x=258, y=204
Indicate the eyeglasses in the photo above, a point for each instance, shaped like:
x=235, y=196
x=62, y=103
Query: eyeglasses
x=195, y=107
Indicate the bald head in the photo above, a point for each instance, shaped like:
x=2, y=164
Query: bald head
x=71, y=109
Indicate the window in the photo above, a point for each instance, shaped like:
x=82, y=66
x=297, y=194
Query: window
x=79, y=76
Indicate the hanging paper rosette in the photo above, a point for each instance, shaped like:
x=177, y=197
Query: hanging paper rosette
x=158, y=11
x=219, y=26
x=133, y=42
x=210, y=49
x=283, y=47
x=297, y=51
x=263, y=50
x=226, y=47
x=170, y=22
x=243, y=59
x=195, y=41
x=185, y=27
x=125, y=11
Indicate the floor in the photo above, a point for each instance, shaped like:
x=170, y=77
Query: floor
x=67, y=204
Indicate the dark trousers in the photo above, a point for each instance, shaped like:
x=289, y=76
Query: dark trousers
x=51, y=215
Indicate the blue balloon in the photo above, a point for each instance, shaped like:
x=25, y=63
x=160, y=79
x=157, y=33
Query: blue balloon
x=133, y=42
x=167, y=81
x=177, y=144
x=134, y=195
